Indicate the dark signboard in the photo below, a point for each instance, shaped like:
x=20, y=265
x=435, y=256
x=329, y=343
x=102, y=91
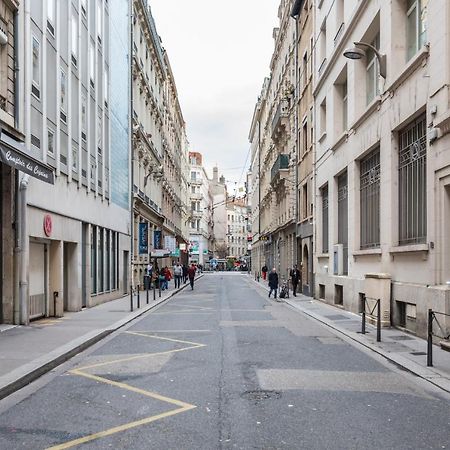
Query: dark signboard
x=12, y=152
x=157, y=239
x=143, y=238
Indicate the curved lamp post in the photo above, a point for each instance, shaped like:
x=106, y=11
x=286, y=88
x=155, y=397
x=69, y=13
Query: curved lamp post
x=357, y=52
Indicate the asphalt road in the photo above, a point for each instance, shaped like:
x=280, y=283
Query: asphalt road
x=224, y=367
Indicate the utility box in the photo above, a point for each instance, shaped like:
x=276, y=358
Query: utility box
x=378, y=286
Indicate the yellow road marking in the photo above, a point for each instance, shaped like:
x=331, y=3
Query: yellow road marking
x=182, y=406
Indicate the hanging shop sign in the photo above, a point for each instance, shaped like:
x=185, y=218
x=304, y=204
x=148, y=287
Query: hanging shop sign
x=170, y=242
x=157, y=240
x=143, y=238
x=13, y=153
x=48, y=225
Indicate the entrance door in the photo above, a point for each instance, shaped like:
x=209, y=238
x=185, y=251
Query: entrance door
x=37, y=288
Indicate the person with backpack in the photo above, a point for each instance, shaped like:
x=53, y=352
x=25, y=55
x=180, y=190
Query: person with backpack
x=273, y=282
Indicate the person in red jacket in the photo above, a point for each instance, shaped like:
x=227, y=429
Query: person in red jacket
x=191, y=275
x=167, y=276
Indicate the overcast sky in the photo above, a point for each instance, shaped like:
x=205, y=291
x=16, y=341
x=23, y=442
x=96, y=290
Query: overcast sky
x=220, y=53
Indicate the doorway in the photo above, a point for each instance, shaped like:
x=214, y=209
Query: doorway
x=37, y=281
x=305, y=270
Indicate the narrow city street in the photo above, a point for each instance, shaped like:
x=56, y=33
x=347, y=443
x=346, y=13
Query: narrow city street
x=224, y=367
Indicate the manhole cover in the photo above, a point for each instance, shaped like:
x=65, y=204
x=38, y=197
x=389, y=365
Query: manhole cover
x=258, y=396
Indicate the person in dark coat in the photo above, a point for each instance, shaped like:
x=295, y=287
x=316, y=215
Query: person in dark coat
x=191, y=275
x=273, y=282
x=295, y=279
x=264, y=271
x=185, y=273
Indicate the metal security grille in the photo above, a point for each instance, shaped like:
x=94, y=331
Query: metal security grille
x=370, y=200
x=343, y=217
x=325, y=247
x=412, y=169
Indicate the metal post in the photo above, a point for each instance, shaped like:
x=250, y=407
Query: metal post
x=159, y=287
x=139, y=297
x=378, y=320
x=154, y=292
x=147, y=292
x=363, y=319
x=430, y=339
x=131, y=298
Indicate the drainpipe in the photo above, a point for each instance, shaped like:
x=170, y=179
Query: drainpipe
x=23, y=251
x=16, y=71
x=130, y=143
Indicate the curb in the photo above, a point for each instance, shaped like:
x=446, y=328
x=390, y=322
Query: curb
x=434, y=377
x=26, y=374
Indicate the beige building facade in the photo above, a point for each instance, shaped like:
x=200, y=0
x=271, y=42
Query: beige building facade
x=382, y=164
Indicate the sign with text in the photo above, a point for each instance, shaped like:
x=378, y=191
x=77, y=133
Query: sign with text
x=143, y=238
x=157, y=238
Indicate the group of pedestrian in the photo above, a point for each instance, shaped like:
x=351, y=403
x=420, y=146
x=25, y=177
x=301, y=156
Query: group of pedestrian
x=179, y=273
x=294, y=274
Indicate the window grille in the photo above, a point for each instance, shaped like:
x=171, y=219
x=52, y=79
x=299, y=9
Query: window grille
x=343, y=217
x=412, y=176
x=370, y=200
x=325, y=220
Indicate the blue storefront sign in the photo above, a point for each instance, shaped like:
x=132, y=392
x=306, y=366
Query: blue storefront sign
x=143, y=238
x=157, y=240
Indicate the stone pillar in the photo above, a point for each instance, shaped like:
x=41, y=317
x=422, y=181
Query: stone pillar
x=378, y=286
x=56, y=262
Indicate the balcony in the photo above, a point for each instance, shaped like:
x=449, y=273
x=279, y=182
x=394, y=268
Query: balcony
x=280, y=168
x=197, y=213
x=196, y=196
x=280, y=119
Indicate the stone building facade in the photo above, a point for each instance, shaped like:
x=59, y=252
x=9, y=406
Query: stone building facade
x=382, y=164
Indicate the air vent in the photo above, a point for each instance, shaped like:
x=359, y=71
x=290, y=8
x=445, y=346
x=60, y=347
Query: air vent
x=35, y=141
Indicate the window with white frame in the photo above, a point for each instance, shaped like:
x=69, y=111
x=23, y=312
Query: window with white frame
x=372, y=72
x=416, y=26
x=323, y=117
x=99, y=20
x=36, y=67
x=344, y=94
x=74, y=158
x=51, y=14
x=412, y=180
x=50, y=142
x=92, y=62
x=106, y=87
x=325, y=219
x=74, y=39
x=83, y=117
x=63, y=96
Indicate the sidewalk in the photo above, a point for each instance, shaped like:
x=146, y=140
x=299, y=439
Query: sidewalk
x=26, y=353
x=403, y=349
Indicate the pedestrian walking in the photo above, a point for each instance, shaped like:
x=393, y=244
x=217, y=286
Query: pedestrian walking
x=191, y=275
x=296, y=278
x=264, y=271
x=167, y=276
x=273, y=282
x=177, y=274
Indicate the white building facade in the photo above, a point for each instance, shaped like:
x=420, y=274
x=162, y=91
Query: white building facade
x=382, y=166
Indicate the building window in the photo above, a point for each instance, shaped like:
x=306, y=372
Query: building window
x=369, y=184
x=51, y=16
x=325, y=219
x=323, y=117
x=412, y=183
x=92, y=63
x=36, y=63
x=63, y=98
x=74, y=39
x=416, y=26
x=84, y=7
x=344, y=93
x=106, y=87
x=343, y=217
x=99, y=20
x=100, y=252
x=304, y=137
x=323, y=45
x=74, y=159
x=50, y=142
x=83, y=117
x=193, y=176
x=372, y=71
x=305, y=201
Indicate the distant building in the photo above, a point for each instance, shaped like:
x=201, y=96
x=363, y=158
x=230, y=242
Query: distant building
x=237, y=228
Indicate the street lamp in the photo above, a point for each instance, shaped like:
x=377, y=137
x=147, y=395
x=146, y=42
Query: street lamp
x=357, y=52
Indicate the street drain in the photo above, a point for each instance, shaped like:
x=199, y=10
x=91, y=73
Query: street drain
x=261, y=395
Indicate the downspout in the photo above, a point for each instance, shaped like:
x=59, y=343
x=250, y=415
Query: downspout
x=259, y=192
x=297, y=90
x=23, y=251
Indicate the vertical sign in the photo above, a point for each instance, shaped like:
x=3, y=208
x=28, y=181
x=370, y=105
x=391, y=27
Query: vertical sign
x=143, y=238
x=157, y=239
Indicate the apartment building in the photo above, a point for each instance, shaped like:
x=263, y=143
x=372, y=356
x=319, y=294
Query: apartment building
x=201, y=224
x=219, y=214
x=159, y=151
x=77, y=251
x=237, y=228
x=273, y=128
x=382, y=159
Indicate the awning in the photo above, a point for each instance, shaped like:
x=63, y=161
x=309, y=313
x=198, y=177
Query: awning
x=13, y=153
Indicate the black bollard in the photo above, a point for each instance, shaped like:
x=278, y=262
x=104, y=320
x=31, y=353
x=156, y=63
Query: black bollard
x=379, y=321
x=131, y=298
x=147, y=294
x=154, y=292
x=430, y=339
x=139, y=298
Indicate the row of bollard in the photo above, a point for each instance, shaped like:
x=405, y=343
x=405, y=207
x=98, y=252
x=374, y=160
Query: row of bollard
x=147, y=287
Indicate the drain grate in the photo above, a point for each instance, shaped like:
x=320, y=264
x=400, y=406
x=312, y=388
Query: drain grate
x=418, y=353
x=260, y=395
